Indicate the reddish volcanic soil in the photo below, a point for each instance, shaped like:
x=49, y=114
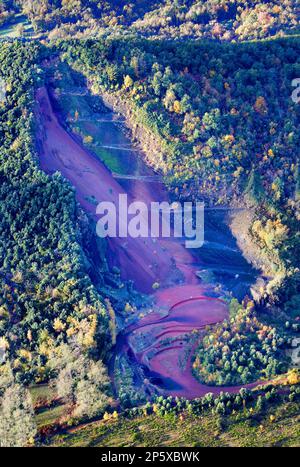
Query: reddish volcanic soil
x=182, y=308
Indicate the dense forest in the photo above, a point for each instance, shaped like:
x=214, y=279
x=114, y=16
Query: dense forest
x=223, y=20
x=46, y=293
x=219, y=19
x=241, y=350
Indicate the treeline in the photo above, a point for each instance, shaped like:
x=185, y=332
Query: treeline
x=225, y=20
x=46, y=295
x=81, y=17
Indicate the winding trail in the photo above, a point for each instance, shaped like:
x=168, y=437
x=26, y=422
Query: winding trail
x=183, y=304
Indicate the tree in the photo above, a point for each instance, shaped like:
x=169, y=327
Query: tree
x=260, y=404
x=80, y=381
x=20, y=30
x=91, y=398
x=293, y=377
x=261, y=106
x=128, y=82
x=17, y=425
x=254, y=189
x=177, y=107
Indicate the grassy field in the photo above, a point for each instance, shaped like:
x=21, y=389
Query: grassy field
x=243, y=429
x=47, y=411
x=41, y=392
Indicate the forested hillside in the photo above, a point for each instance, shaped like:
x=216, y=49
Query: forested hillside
x=46, y=294
x=221, y=19
x=205, y=89
x=218, y=19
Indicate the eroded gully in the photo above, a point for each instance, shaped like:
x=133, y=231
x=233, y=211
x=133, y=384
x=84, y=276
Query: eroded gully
x=183, y=303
